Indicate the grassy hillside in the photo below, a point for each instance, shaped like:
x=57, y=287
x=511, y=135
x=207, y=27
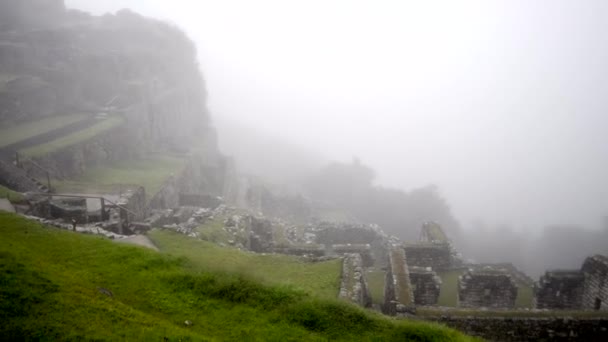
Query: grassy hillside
x=11, y=195
x=150, y=173
x=74, y=138
x=319, y=279
x=15, y=133
x=57, y=285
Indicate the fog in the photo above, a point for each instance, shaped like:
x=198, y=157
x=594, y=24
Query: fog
x=501, y=104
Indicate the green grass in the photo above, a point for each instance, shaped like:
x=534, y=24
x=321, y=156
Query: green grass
x=448, y=294
x=375, y=282
x=525, y=294
x=150, y=173
x=74, y=138
x=12, y=134
x=56, y=285
x=319, y=279
x=213, y=231
x=12, y=196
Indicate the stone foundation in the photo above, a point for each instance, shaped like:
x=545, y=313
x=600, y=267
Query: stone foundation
x=364, y=250
x=426, y=285
x=530, y=329
x=486, y=288
x=398, y=294
x=595, y=293
x=438, y=256
x=559, y=290
x=353, y=286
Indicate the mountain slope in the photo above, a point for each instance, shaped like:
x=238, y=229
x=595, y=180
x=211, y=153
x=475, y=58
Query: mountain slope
x=57, y=285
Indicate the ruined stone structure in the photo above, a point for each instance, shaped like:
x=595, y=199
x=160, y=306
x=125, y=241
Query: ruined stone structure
x=487, y=288
x=343, y=233
x=559, y=290
x=433, y=249
x=398, y=295
x=435, y=255
x=353, y=286
x=432, y=232
x=595, y=292
x=260, y=234
x=364, y=250
x=308, y=250
x=585, y=289
x=426, y=285
x=518, y=329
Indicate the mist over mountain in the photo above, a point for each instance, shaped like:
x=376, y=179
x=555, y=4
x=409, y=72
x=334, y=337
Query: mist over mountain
x=498, y=105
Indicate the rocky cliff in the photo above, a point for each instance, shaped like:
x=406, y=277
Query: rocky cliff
x=55, y=61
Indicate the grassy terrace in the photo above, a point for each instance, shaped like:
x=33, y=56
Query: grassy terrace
x=11, y=195
x=74, y=138
x=58, y=285
x=16, y=133
x=375, y=282
x=150, y=173
x=319, y=279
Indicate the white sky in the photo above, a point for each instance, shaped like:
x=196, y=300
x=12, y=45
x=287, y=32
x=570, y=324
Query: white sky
x=500, y=103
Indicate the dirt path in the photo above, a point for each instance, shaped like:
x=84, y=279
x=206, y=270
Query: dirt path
x=139, y=240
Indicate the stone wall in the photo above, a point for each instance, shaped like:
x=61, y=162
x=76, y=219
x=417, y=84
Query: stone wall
x=353, y=286
x=530, y=329
x=426, y=285
x=486, y=288
x=312, y=250
x=595, y=293
x=330, y=233
x=559, y=290
x=438, y=256
x=398, y=294
x=135, y=201
x=364, y=250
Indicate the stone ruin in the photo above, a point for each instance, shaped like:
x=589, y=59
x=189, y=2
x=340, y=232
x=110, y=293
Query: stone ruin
x=584, y=289
x=398, y=295
x=595, y=291
x=487, y=288
x=434, y=255
x=364, y=250
x=559, y=289
x=425, y=284
x=353, y=286
x=433, y=249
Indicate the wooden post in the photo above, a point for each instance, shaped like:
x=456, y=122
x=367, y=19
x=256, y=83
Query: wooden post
x=17, y=163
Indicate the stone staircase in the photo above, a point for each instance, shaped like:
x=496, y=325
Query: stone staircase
x=17, y=179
